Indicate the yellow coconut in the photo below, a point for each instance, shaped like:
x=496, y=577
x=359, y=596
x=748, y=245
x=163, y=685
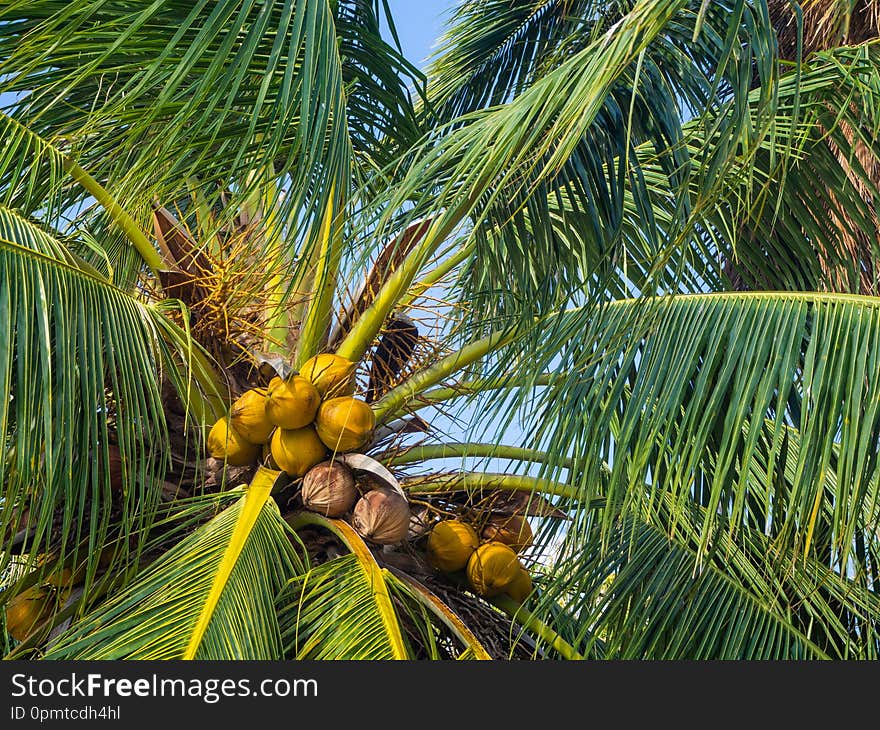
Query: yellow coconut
x=224, y=442
x=513, y=530
x=451, y=544
x=492, y=568
x=292, y=403
x=268, y=461
x=297, y=450
x=26, y=611
x=60, y=578
x=248, y=416
x=331, y=374
x=521, y=586
x=345, y=424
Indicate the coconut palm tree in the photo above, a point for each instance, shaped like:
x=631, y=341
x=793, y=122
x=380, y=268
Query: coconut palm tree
x=580, y=268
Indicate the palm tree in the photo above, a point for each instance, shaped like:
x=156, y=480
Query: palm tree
x=535, y=256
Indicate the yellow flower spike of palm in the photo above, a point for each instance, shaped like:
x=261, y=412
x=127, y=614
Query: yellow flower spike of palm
x=248, y=416
x=345, y=423
x=521, y=586
x=224, y=442
x=492, y=568
x=297, y=450
x=331, y=374
x=450, y=545
x=26, y=611
x=292, y=403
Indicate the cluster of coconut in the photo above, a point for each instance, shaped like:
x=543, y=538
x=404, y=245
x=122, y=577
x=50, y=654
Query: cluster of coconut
x=301, y=425
x=379, y=514
x=489, y=559
x=299, y=419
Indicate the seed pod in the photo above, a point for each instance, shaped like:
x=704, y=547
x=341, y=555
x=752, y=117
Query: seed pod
x=331, y=374
x=382, y=516
x=492, y=568
x=329, y=489
x=513, y=530
x=450, y=545
x=297, y=450
x=292, y=403
x=224, y=442
x=248, y=416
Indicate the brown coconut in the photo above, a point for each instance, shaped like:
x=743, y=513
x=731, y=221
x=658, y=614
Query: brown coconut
x=382, y=516
x=513, y=530
x=329, y=489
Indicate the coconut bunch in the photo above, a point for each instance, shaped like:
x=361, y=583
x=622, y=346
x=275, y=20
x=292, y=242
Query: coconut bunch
x=489, y=559
x=296, y=421
x=299, y=425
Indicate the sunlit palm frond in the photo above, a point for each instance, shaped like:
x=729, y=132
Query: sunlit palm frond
x=340, y=609
x=643, y=598
x=210, y=597
x=152, y=99
x=82, y=365
x=657, y=388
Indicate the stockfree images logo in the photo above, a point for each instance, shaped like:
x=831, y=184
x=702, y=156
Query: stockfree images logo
x=211, y=690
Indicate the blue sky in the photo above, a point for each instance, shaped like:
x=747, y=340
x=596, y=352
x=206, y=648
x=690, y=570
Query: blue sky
x=419, y=24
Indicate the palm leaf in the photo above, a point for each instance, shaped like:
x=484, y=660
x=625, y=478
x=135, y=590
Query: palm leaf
x=687, y=391
x=352, y=590
x=83, y=363
x=234, y=88
x=210, y=597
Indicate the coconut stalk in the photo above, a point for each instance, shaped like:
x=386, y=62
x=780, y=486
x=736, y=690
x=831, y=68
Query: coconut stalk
x=467, y=387
x=369, y=324
x=467, y=481
x=470, y=450
x=122, y=219
x=391, y=403
x=524, y=617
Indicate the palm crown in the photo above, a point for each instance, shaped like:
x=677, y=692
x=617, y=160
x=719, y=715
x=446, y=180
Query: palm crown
x=610, y=266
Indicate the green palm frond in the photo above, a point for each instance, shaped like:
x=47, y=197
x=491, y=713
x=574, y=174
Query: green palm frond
x=658, y=607
x=649, y=594
x=410, y=589
x=149, y=99
x=688, y=387
x=352, y=590
x=82, y=363
x=499, y=151
x=377, y=78
x=210, y=597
